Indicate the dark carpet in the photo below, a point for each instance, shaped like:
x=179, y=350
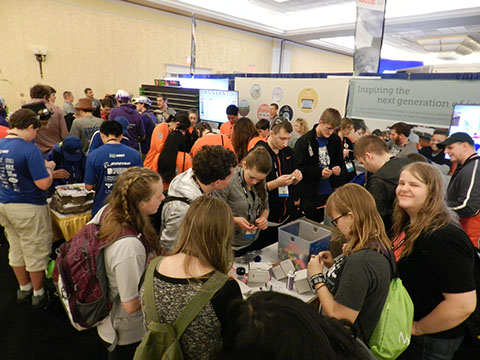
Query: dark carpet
x=39, y=334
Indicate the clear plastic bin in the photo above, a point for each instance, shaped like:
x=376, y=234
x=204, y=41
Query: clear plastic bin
x=300, y=239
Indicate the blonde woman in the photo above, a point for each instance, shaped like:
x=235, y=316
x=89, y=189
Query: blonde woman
x=300, y=128
x=436, y=262
x=356, y=285
x=204, y=246
x=137, y=193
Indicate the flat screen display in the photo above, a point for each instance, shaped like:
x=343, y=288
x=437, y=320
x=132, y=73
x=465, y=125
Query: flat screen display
x=466, y=118
x=213, y=104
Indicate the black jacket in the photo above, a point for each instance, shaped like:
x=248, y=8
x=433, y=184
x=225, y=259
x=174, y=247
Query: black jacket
x=281, y=208
x=306, y=155
x=382, y=185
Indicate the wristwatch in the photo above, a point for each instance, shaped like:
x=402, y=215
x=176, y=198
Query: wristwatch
x=317, y=279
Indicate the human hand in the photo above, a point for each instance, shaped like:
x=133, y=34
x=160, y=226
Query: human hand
x=345, y=153
x=416, y=329
x=326, y=173
x=61, y=174
x=336, y=170
x=262, y=223
x=242, y=223
x=327, y=258
x=284, y=180
x=297, y=174
x=315, y=265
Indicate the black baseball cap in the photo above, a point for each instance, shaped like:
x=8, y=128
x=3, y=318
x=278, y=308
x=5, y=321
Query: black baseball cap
x=459, y=137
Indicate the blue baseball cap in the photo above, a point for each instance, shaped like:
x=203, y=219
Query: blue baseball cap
x=72, y=148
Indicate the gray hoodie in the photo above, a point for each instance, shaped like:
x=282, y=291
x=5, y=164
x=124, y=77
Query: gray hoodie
x=173, y=212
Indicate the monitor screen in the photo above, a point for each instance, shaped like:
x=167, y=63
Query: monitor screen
x=213, y=104
x=466, y=118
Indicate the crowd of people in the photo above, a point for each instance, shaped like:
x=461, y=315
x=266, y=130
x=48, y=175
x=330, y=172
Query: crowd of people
x=198, y=198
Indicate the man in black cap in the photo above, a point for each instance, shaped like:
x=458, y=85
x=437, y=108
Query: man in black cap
x=463, y=192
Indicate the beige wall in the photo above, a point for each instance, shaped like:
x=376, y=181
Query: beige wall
x=304, y=59
x=109, y=44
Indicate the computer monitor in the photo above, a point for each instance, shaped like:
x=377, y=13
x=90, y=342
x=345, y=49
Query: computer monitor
x=213, y=104
x=466, y=118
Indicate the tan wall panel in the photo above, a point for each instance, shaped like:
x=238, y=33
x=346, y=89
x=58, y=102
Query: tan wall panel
x=310, y=60
x=109, y=44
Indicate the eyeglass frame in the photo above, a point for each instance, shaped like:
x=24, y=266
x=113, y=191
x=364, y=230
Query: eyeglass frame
x=334, y=222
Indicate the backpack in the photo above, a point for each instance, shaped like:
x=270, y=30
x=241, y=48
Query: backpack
x=473, y=321
x=392, y=334
x=162, y=341
x=156, y=219
x=80, y=277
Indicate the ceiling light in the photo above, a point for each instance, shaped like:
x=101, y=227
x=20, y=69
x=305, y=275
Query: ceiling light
x=450, y=47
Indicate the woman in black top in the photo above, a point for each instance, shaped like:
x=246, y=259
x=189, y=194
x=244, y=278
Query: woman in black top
x=436, y=264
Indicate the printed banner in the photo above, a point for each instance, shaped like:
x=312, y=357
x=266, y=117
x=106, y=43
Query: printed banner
x=368, y=35
x=425, y=102
x=193, y=46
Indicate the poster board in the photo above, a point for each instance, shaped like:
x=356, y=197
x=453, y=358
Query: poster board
x=424, y=102
x=305, y=98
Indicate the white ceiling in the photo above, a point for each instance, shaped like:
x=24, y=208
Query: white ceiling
x=330, y=24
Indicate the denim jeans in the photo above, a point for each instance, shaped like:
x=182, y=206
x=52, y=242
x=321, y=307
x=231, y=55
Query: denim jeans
x=427, y=347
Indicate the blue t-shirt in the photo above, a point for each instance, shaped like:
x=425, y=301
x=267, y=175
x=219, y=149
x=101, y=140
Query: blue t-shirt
x=96, y=142
x=324, y=186
x=103, y=167
x=21, y=163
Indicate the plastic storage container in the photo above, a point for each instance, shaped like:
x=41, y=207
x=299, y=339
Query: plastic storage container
x=300, y=239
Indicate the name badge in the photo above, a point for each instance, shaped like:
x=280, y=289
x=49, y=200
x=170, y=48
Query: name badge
x=250, y=234
x=283, y=191
x=310, y=150
x=349, y=166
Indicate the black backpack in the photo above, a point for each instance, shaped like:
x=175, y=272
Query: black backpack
x=156, y=219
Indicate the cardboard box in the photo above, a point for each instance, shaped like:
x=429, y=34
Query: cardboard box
x=281, y=269
x=302, y=283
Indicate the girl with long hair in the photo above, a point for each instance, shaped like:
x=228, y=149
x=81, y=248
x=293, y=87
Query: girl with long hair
x=348, y=171
x=356, y=285
x=137, y=193
x=203, y=248
x=436, y=262
x=247, y=196
x=174, y=158
x=245, y=137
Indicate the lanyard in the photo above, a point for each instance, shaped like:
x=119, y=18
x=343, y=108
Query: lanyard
x=195, y=179
x=250, y=206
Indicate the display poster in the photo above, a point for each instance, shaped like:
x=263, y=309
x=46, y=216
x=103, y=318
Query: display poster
x=321, y=94
x=368, y=35
x=277, y=94
x=307, y=100
x=286, y=112
x=243, y=107
x=256, y=91
x=263, y=112
x=424, y=102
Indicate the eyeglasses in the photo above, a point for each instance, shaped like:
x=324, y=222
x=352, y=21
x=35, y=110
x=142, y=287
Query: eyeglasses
x=335, y=221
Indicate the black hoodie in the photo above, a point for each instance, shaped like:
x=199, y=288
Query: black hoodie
x=382, y=185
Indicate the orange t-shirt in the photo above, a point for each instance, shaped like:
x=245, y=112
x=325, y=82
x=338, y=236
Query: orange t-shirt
x=227, y=129
x=3, y=131
x=211, y=139
x=184, y=162
x=254, y=141
x=159, y=136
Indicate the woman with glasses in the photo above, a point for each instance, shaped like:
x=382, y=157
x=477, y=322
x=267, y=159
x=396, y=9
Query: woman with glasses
x=356, y=285
x=436, y=264
x=247, y=196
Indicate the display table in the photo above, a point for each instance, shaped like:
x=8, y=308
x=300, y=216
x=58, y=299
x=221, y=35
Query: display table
x=66, y=226
x=269, y=255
